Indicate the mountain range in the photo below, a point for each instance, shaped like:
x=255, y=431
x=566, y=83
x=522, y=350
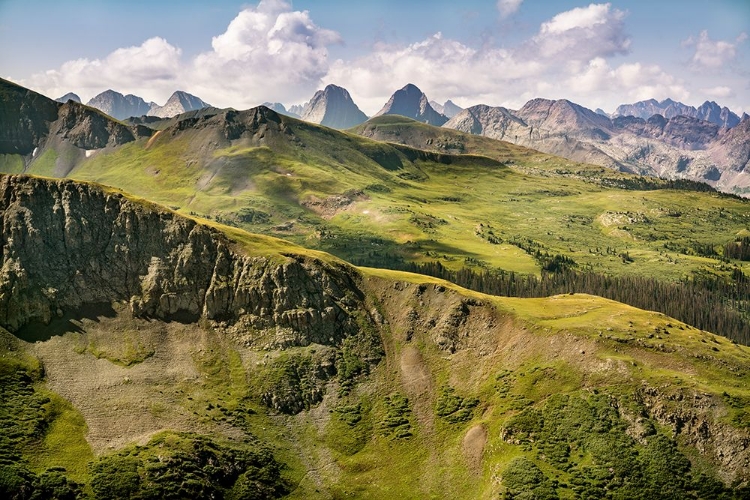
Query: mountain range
x=159, y=339
x=708, y=111
x=686, y=142
x=679, y=147
x=122, y=107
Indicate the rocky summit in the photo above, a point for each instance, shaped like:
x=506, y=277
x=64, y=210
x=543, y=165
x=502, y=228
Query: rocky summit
x=70, y=96
x=120, y=106
x=280, y=109
x=708, y=111
x=449, y=108
x=179, y=102
x=680, y=147
x=412, y=103
x=333, y=107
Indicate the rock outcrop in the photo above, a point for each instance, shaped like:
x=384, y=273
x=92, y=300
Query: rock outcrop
x=68, y=246
x=411, y=102
x=333, y=107
x=120, y=106
x=178, y=103
x=70, y=96
x=678, y=147
x=708, y=111
x=30, y=122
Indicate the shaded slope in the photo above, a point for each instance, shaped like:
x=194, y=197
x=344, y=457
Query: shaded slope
x=333, y=107
x=412, y=103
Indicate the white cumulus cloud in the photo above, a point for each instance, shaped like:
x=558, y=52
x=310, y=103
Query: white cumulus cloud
x=720, y=91
x=713, y=54
x=445, y=68
x=582, y=34
x=152, y=68
x=267, y=53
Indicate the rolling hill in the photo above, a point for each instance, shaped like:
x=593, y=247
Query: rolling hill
x=472, y=204
x=186, y=358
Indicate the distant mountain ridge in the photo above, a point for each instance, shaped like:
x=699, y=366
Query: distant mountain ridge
x=280, y=109
x=333, y=107
x=180, y=102
x=70, y=96
x=708, y=111
x=678, y=147
x=449, y=108
x=121, y=106
x=412, y=103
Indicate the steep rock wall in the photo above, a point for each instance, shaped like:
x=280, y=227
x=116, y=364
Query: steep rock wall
x=67, y=245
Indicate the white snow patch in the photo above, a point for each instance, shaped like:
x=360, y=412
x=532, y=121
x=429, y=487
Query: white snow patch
x=90, y=152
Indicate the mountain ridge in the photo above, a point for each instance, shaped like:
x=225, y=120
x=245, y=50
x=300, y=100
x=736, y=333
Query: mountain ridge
x=708, y=111
x=411, y=102
x=678, y=147
x=265, y=335
x=333, y=107
x=121, y=106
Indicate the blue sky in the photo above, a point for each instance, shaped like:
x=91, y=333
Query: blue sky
x=498, y=52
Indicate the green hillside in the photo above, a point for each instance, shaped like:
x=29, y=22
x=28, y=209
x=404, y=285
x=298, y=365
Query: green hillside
x=439, y=392
x=496, y=208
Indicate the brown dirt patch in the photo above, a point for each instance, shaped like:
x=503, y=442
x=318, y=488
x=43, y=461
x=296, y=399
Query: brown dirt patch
x=473, y=446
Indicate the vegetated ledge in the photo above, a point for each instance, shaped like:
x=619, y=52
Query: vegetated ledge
x=68, y=246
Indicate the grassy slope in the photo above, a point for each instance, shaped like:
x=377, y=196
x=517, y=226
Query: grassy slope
x=423, y=210
x=513, y=354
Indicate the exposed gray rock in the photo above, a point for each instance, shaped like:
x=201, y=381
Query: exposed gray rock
x=70, y=96
x=280, y=109
x=178, y=103
x=333, y=107
x=677, y=147
x=708, y=111
x=120, y=106
x=411, y=102
x=67, y=246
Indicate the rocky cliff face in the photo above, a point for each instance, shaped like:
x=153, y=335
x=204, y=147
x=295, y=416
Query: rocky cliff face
x=677, y=147
x=25, y=118
x=333, y=107
x=179, y=102
x=30, y=122
x=411, y=102
x=120, y=106
x=708, y=111
x=70, y=96
x=67, y=246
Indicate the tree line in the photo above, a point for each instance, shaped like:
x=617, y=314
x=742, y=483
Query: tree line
x=707, y=302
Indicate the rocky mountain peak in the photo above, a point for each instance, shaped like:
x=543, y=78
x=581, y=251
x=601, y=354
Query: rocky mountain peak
x=179, y=102
x=413, y=103
x=333, y=107
x=70, y=96
x=280, y=109
x=709, y=111
x=120, y=106
x=449, y=108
